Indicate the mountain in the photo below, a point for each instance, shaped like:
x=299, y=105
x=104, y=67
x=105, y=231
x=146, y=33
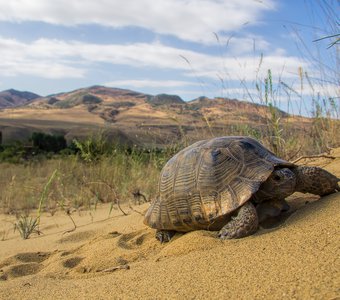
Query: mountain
x=163, y=99
x=136, y=118
x=12, y=98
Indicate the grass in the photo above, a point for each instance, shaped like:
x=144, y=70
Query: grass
x=27, y=226
x=78, y=183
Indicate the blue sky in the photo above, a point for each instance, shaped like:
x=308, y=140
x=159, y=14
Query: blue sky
x=186, y=47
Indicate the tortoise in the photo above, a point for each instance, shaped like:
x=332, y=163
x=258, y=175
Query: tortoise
x=228, y=184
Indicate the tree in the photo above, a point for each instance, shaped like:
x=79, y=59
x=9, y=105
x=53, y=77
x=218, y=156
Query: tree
x=48, y=142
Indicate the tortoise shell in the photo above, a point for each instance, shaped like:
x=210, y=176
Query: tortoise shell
x=204, y=183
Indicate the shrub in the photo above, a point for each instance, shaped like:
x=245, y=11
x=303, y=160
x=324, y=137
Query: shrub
x=48, y=142
x=12, y=153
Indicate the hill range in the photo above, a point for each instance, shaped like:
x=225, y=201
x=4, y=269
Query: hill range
x=13, y=98
x=131, y=117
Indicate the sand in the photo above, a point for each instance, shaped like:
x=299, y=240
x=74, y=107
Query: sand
x=117, y=257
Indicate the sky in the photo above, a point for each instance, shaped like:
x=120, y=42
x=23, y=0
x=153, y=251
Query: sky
x=192, y=48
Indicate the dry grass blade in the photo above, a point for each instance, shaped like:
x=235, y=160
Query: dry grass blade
x=136, y=211
x=137, y=195
x=313, y=156
x=68, y=212
x=115, y=199
x=122, y=267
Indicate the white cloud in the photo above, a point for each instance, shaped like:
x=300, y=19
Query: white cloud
x=192, y=20
x=242, y=44
x=142, y=83
x=241, y=93
x=248, y=68
x=36, y=59
x=313, y=89
x=57, y=59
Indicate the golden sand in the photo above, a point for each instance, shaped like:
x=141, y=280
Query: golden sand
x=117, y=257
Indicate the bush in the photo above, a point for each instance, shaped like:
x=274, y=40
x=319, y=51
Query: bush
x=48, y=142
x=12, y=153
x=93, y=148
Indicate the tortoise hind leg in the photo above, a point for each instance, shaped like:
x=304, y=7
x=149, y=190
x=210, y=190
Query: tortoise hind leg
x=243, y=224
x=165, y=236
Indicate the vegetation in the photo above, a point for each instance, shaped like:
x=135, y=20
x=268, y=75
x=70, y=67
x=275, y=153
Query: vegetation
x=40, y=146
x=12, y=153
x=48, y=142
x=96, y=172
x=26, y=226
x=75, y=100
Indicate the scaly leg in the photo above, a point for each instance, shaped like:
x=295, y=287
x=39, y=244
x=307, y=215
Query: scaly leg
x=244, y=223
x=165, y=236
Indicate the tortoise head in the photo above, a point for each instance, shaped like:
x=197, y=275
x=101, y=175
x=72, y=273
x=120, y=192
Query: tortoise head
x=315, y=180
x=279, y=185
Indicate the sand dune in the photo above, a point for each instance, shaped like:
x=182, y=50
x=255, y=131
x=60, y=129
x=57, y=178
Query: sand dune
x=117, y=257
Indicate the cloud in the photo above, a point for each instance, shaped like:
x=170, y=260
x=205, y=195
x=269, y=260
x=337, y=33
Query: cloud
x=36, y=59
x=191, y=20
x=142, y=83
x=248, y=68
x=314, y=89
x=238, y=45
x=71, y=59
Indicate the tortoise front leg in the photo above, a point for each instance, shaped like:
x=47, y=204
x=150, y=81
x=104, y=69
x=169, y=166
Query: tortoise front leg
x=243, y=224
x=165, y=236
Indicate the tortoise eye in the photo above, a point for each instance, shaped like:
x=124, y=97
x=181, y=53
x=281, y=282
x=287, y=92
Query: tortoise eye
x=277, y=178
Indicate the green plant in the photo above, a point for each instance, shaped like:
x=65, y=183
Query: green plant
x=44, y=193
x=12, y=153
x=93, y=147
x=274, y=121
x=27, y=225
